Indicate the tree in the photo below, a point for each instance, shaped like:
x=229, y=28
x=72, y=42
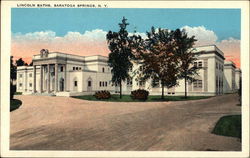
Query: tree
x=239, y=91
x=187, y=57
x=12, y=70
x=31, y=63
x=20, y=62
x=12, y=77
x=159, y=60
x=120, y=54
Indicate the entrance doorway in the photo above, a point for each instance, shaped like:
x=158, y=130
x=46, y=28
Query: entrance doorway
x=61, y=84
x=89, y=84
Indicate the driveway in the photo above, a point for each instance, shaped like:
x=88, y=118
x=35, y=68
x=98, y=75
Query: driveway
x=64, y=123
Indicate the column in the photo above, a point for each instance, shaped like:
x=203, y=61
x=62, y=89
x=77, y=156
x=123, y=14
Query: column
x=41, y=79
x=56, y=77
x=34, y=79
x=65, y=78
x=48, y=78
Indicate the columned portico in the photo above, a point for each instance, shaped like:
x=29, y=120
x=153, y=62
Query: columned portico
x=46, y=77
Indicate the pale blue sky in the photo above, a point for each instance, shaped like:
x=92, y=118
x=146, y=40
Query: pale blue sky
x=224, y=22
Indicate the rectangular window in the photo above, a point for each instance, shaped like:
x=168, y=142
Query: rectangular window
x=142, y=83
x=130, y=68
x=195, y=64
x=20, y=84
x=200, y=83
x=80, y=68
x=20, y=75
x=216, y=65
x=197, y=84
x=129, y=82
x=74, y=68
x=100, y=84
x=75, y=83
x=103, y=84
x=61, y=69
x=30, y=75
x=89, y=83
x=30, y=84
x=200, y=64
x=106, y=84
x=141, y=68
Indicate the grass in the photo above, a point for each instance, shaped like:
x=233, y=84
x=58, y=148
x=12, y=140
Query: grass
x=15, y=104
x=229, y=126
x=127, y=98
x=18, y=93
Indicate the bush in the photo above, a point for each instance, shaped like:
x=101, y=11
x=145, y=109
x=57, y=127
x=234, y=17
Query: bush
x=102, y=94
x=139, y=94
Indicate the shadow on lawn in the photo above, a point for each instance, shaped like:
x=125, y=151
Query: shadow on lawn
x=15, y=104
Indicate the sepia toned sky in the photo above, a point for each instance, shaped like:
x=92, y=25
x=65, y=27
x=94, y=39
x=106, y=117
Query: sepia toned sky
x=82, y=31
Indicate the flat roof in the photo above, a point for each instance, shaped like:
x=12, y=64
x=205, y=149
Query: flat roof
x=70, y=56
x=208, y=48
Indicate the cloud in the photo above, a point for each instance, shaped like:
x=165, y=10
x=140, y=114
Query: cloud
x=203, y=35
x=230, y=46
x=42, y=36
x=88, y=43
x=93, y=42
x=143, y=35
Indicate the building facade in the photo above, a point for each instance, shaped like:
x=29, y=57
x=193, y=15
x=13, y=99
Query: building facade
x=64, y=74
x=232, y=77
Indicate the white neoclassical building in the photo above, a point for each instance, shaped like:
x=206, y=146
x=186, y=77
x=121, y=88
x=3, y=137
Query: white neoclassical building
x=232, y=77
x=64, y=74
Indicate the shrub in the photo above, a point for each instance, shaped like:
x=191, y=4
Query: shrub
x=140, y=94
x=102, y=94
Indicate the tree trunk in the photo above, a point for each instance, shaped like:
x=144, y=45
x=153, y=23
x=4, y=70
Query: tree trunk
x=162, y=90
x=185, y=86
x=120, y=89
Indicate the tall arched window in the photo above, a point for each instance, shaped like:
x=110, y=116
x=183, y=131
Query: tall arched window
x=103, y=70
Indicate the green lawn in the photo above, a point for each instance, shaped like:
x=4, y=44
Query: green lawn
x=127, y=98
x=15, y=104
x=18, y=93
x=229, y=126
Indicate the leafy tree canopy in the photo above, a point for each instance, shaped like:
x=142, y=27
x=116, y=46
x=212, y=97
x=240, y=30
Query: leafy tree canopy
x=120, y=53
x=20, y=62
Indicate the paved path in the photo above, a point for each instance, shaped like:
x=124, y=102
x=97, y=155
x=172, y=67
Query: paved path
x=63, y=123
